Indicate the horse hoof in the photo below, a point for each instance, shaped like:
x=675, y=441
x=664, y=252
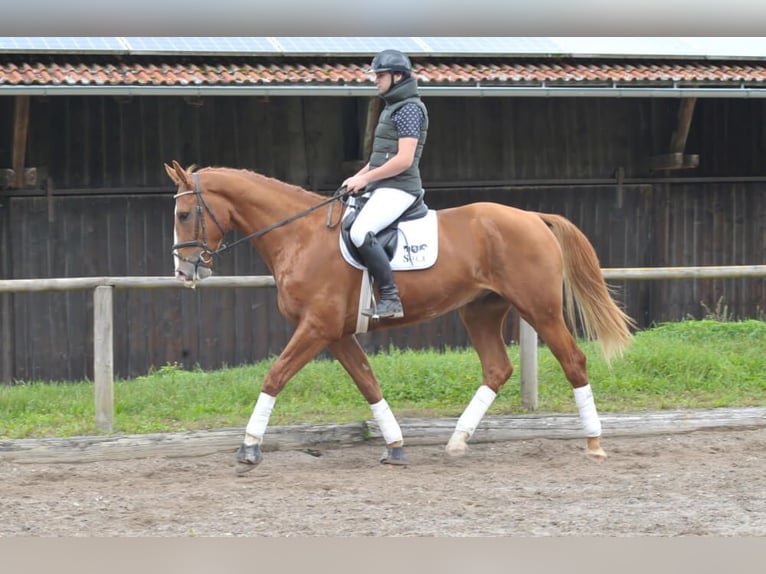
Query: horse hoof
x=458, y=444
x=596, y=455
x=394, y=456
x=457, y=450
x=594, y=451
x=248, y=457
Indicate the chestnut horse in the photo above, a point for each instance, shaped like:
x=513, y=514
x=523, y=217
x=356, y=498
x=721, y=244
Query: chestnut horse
x=491, y=257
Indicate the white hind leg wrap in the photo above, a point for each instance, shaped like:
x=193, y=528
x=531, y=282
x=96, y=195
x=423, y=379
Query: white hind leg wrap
x=387, y=422
x=259, y=420
x=588, y=414
x=475, y=410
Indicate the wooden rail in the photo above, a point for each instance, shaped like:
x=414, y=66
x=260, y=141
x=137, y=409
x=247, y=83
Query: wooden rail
x=103, y=320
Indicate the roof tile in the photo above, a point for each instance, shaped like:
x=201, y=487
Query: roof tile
x=47, y=71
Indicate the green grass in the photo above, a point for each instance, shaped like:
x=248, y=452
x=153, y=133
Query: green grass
x=691, y=364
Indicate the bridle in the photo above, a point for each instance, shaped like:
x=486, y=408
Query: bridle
x=206, y=254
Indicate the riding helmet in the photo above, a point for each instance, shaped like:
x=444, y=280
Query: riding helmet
x=391, y=61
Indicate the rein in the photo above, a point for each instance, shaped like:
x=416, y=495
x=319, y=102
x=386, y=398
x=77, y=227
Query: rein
x=339, y=194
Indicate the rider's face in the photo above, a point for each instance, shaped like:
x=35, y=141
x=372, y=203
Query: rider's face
x=383, y=81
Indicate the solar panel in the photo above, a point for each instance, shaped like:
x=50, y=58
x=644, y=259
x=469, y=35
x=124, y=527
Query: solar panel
x=448, y=46
x=738, y=47
x=346, y=45
x=662, y=46
x=60, y=44
x=303, y=45
x=718, y=47
x=201, y=45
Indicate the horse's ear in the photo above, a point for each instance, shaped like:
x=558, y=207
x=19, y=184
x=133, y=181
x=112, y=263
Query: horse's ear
x=180, y=175
x=172, y=174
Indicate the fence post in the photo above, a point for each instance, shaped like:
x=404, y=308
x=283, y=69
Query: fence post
x=528, y=361
x=103, y=361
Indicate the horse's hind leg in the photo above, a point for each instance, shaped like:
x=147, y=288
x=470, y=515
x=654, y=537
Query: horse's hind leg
x=484, y=319
x=554, y=332
x=351, y=355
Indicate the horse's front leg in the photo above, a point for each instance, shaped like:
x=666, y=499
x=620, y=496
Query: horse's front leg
x=302, y=347
x=350, y=354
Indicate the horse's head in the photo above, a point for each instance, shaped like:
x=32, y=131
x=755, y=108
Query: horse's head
x=198, y=233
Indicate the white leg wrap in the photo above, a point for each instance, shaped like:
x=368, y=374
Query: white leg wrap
x=475, y=410
x=386, y=421
x=259, y=420
x=588, y=414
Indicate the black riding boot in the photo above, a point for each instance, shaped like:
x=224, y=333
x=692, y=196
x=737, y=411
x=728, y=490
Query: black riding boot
x=376, y=260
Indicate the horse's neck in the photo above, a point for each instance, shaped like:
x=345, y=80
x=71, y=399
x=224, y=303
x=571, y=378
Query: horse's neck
x=262, y=203
x=256, y=201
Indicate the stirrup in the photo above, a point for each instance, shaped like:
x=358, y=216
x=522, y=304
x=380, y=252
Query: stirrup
x=385, y=310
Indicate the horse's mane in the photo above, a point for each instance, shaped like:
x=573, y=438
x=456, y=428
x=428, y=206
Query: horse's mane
x=258, y=177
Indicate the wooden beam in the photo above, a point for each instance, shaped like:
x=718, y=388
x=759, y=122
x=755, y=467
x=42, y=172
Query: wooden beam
x=49, y=189
x=6, y=309
x=677, y=159
x=371, y=121
x=528, y=364
x=524, y=427
x=20, y=126
x=103, y=357
x=421, y=432
x=685, y=113
x=674, y=161
x=29, y=177
x=7, y=178
x=367, y=136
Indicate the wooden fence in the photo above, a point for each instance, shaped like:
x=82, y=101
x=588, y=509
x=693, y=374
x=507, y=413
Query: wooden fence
x=103, y=373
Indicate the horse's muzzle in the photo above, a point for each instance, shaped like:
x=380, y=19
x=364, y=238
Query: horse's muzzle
x=189, y=272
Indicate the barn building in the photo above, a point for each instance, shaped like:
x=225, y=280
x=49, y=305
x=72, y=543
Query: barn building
x=654, y=147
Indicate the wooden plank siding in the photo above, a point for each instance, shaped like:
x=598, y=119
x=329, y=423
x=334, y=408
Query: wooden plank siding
x=722, y=224
x=112, y=210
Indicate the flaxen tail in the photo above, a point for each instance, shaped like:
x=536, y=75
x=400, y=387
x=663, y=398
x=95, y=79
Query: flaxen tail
x=586, y=294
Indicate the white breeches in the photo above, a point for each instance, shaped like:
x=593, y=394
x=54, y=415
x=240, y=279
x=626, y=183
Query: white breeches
x=384, y=206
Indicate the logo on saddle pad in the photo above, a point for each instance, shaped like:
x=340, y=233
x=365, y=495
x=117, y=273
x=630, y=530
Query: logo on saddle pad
x=410, y=245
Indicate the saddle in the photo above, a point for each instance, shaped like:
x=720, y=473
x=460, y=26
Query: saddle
x=388, y=237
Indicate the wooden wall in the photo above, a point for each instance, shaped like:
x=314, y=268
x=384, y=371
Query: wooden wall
x=111, y=209
x=92, y=142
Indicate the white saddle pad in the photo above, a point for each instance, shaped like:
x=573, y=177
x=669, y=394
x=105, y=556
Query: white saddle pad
x=417, y=246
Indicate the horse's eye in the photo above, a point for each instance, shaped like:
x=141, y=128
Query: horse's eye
x=183, y=215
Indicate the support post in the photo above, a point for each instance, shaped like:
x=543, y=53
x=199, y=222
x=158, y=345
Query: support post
x=20, y=126
x=370, y=121
x=7, y=344
x=103, y=361
x=681, y=133
x=528, y=360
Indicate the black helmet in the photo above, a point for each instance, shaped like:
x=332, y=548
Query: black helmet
x=391, y=61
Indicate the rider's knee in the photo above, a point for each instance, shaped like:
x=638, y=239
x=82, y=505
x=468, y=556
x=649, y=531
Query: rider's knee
x=360, y=236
